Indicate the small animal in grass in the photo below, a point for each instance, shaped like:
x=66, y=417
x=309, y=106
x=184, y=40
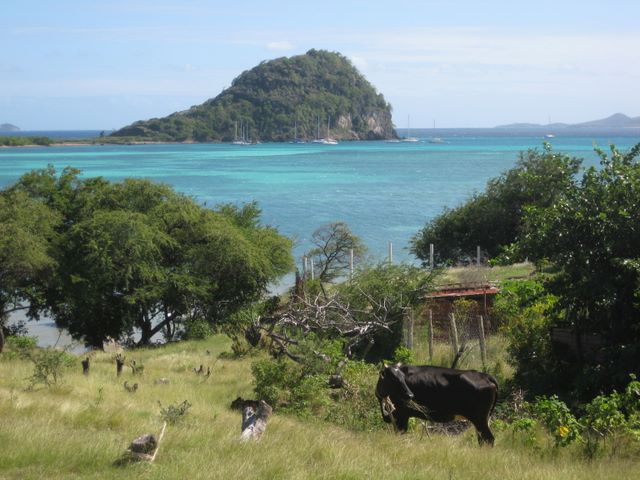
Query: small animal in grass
x=201, y=371
x=130, y=388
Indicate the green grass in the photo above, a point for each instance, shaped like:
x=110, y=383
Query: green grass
x=79, y=429
x=474, y=275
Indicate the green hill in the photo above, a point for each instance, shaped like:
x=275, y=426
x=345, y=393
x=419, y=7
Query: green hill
x=277, y=100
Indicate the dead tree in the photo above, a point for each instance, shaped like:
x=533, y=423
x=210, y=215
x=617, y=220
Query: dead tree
x=329, y=316
x=254, y=421
x=119, y=364
x=85, y=366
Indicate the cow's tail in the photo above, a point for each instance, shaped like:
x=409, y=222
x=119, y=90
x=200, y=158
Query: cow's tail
x=495, y=398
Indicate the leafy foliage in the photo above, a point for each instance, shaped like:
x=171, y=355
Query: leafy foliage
x=389, y=291
x=591, y=233
x=174, y=413
x=139, y=255
x=49, y=366
x=334, y=243
x=24, y=141
x=27, y=228
x=493, y=219
x=271, y=100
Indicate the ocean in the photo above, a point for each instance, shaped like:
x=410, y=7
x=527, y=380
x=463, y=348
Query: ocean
x=385, y=192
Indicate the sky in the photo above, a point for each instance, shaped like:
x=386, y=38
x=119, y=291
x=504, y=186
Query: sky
x=85, y=64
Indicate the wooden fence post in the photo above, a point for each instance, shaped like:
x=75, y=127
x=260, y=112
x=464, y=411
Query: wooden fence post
x=483, y=346
x=119, y=365
x=351, y=264
x=410, y=330
x=454, y=333
x=430, y=336
x=431, y=255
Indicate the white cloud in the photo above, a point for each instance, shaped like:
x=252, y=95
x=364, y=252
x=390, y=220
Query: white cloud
x=279, y=46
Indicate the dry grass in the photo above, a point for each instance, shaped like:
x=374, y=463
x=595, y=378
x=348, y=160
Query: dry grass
x=81, y=428
x=474, y=275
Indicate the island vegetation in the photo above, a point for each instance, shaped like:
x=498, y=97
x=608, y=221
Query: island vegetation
x=13, y=141
x=279, y=100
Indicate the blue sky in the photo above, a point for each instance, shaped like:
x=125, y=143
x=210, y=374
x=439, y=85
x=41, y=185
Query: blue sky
x=83, y=64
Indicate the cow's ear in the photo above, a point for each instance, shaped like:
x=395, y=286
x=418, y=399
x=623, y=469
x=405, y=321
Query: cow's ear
x=385, y=366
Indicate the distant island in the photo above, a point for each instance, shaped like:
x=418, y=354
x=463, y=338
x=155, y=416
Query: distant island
x=318, y=94
x=7, y=127
x=617, y=120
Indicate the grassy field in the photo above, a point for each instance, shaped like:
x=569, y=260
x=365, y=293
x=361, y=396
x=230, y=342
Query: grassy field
x=474, y=275
x=80, y=428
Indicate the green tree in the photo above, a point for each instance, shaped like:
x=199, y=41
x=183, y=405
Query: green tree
x=138, y=255
x=591, y=233
x=27, y=227
x=493, y=219
x=334, y=243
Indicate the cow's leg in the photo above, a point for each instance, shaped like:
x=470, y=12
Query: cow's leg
x=401, y=422
x=484, y=433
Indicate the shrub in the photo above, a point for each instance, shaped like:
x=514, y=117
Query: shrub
x=172, y=414
x=404, y=355
x=197, y=330
x=49, y=366
x=20, y=346
x=558, y=420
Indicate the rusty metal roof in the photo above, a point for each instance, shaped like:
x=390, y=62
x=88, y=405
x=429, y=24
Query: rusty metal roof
x=462, y=291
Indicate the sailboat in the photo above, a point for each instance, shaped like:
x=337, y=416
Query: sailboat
x=409, y=138
x=295, y=134
x=239, y=141
x=318, y=139
x=329, y=140
x=435, y=139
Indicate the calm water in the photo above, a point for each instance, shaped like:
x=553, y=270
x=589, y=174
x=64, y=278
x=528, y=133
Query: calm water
x=386, y=192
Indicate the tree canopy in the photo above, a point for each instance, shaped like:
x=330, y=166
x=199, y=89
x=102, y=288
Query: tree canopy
x=138, y=255
x=278, y=100
x=493, y=219
x=591, y=234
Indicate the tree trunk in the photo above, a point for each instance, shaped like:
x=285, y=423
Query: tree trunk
x=1, y=338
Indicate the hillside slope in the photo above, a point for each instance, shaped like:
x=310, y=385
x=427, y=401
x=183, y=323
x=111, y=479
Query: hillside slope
x=279, y=100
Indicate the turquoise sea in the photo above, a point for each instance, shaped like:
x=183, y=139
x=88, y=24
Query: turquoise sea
x=386, y=192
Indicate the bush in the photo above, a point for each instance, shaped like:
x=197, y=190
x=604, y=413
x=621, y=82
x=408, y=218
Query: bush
x=197, y=330
x=404, y=355
x=558, y=419
x=290, y=387
x=49, y=366
x=19, y=346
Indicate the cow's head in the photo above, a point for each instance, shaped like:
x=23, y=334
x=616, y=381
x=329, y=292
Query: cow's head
x=391, y=383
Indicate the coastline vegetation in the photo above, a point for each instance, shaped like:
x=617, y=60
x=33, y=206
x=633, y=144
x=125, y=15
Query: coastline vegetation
x=16, y=141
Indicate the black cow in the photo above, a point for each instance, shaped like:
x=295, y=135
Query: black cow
x=438, y=394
